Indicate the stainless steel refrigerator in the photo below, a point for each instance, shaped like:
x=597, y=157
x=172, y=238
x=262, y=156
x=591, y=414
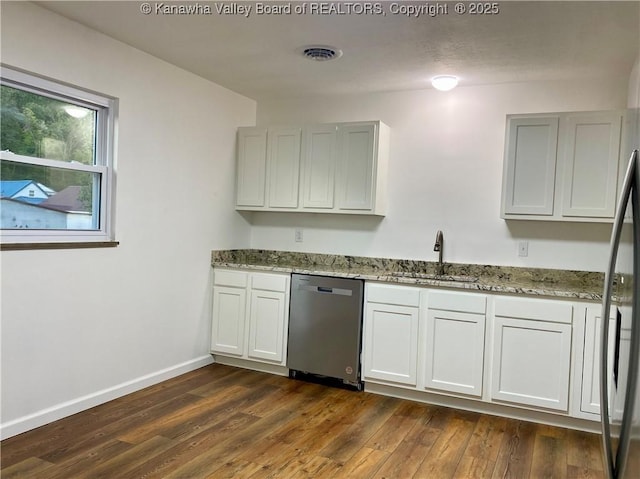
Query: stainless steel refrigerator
x=620, y=338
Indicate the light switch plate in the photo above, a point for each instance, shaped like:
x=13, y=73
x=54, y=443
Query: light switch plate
x=298, y=235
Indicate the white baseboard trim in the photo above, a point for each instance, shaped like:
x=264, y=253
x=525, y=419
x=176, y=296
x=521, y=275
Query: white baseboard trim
x=59, y=411
x=494, y=409
x=254, y=365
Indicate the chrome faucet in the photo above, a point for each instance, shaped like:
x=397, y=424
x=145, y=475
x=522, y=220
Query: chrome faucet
x=439, y=246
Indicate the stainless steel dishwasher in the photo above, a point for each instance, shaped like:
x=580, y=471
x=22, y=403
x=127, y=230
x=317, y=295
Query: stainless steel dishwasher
x=325, y=327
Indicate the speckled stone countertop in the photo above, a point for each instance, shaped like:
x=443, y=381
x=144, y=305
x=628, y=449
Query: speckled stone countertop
x=582, y=285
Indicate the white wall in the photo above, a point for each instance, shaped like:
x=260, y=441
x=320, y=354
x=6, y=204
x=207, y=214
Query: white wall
x=634, y=86
x=81, y=326
x=445, y=173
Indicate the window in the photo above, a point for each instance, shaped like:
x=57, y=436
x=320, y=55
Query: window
x=56, y=161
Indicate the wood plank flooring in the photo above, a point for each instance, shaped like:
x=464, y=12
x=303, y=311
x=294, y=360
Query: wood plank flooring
x=224, y=422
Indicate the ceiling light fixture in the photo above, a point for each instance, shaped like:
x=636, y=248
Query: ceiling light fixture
x=444, y=82
x=321, y=53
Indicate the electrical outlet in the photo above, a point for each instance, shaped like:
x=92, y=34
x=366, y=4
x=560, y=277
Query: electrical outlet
x=523, y=248
x=298, y=235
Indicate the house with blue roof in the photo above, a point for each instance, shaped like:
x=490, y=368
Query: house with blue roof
x=27, y=191
x=20, y=206
x=27, y=204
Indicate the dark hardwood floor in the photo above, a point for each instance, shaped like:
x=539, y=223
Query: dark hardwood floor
x=224, y=422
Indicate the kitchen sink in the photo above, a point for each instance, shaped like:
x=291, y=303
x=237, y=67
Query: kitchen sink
x=436, y=277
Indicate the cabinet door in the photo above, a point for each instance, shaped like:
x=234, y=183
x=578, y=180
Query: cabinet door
x=356, y=166
x=251, y=167
x=319, y=166
x=454, y=352
x=530, y=166
x=283, y=165
x=591, y=165
x=590, y=393
x=266, y=325
x=227, y=332
x=391, y=343
x=531, y=362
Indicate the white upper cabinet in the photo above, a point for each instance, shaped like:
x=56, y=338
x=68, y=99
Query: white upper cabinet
x=591, y=160
x=284, y=165
x=268, y=168
x=531, y=165
x=251, y=167
x=319, y=166
x=357, y=168
x=562, y=166
x=327, y=168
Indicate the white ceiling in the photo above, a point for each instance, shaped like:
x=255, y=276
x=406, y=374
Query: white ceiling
x=259, y=56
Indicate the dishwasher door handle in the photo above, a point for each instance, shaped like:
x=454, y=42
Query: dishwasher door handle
x=326, y=290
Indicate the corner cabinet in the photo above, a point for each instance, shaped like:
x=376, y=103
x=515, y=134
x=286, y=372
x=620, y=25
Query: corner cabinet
x=328, y=168
x=562, y=166
x=250, y=315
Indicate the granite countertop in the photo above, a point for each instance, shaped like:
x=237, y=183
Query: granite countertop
x=582, y=285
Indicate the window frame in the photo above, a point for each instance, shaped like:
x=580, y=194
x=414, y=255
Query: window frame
x=106, y=109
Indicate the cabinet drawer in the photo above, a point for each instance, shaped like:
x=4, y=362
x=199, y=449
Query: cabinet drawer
x=462, y=302
x=537, y=310
x=236, y=279
x=269, y=282
x=400, y=295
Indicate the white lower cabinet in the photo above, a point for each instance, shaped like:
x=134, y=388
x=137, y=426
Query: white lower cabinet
x=227, y=333
x=434, y=340
x=454, y=342
x=390, y=342
x=250, y=315
x=502, y=350
x=408, y=329
x=590, y=390
x=532, y=352
x=266, y=325
x=590, y=386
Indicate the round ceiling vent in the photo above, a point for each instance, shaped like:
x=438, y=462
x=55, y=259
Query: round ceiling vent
x=321, y=53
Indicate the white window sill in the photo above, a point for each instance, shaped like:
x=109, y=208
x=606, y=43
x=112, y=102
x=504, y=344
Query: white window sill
x=58, y=245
